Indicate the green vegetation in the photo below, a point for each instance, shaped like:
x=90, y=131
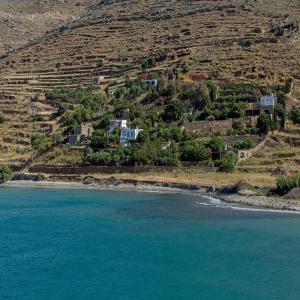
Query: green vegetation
x=174, y=111
x=5, y=173
x=279, y=116
x=295, y=115
x=247, y=143
x=39, y=142
x=217, y=144
x=194, y=151
x=1, y=118
x=160, y=111
x=87, y=103
x=287, y=183
x=228, y=162
x=264, y=123
x=70, y=95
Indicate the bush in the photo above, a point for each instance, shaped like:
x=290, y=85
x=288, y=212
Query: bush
x=174, y=111
x=99, y=139
x=39, y=142
x=228, y=162
x=287, y=183
x=5, y=173
x=217, y=144
x=264, y=123
x=1, y=118
x=279, y=116
x=295, y=115
x=247, y=143
x=194, y=151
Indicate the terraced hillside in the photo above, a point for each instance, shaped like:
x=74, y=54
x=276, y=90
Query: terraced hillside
x=281, y=154
x=254, y=41
x=23, y=21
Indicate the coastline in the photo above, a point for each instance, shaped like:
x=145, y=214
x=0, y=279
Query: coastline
x=250, y=201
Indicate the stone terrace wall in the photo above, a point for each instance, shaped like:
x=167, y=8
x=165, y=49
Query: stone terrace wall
x=66, y=170
x=246, y=154
x=221, y=126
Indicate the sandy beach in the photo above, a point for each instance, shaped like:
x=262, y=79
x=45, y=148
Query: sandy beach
x=234, y=198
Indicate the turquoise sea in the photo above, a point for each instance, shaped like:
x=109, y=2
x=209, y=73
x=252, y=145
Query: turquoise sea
x=86, y=244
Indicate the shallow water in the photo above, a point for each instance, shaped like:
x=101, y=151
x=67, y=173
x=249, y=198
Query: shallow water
x=87, y=244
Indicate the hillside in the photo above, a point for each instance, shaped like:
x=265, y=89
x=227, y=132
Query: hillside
x=23, y=21
x=253, y=41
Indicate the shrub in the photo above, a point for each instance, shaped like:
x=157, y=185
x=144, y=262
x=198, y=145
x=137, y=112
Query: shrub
x=287, y=183
x=5, y=173
x=280, y=115
x=264, y=123
x=1, y=118
x=247, y=143
x=217, y=144
x=99, y=139
x=295, y=115
x=194, y=151
x=39, y=142
x=228, y=162
x=174, y=111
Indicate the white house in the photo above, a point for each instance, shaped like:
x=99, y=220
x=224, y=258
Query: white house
x=268, y=100
x=128, y=135
x=267, y=104
x=118, y=123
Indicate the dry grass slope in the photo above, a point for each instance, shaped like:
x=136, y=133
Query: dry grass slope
x=228, y=39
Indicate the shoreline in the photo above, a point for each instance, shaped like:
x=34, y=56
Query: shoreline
x=250, y=201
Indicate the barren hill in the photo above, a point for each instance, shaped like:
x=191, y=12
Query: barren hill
x=246, y=40
x=23, y=21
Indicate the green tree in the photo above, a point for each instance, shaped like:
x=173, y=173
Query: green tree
x=280, y=115
x=99, y=139
x=201, y=96
x=281, y=97
x=5, y=173
x=104, y=122
x=217, y=144
x=194, y=151
x=264, y=123
x=295, y=115
x=228, y=162
x=174, y=111
x=39, y=142
x=247, y=143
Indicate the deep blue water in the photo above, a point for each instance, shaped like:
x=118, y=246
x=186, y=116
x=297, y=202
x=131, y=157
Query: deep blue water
x=84, y=244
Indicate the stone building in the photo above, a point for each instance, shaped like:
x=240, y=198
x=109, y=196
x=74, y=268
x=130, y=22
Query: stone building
x=81, y=134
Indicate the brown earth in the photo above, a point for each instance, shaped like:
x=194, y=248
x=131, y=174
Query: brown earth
x=23, y=21
x=254, y=41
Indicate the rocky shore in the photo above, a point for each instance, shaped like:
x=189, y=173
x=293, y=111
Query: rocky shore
x=226, y=194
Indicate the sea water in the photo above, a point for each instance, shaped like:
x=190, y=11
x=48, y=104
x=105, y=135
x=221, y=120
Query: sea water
x=86, y=244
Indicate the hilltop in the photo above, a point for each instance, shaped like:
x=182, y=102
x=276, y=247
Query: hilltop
x=23, y=21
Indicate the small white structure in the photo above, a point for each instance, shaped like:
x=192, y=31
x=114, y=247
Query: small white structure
x=129, y=135
x=152, y=82
x=114, y=124
x=267, y=104
x=268, y=100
